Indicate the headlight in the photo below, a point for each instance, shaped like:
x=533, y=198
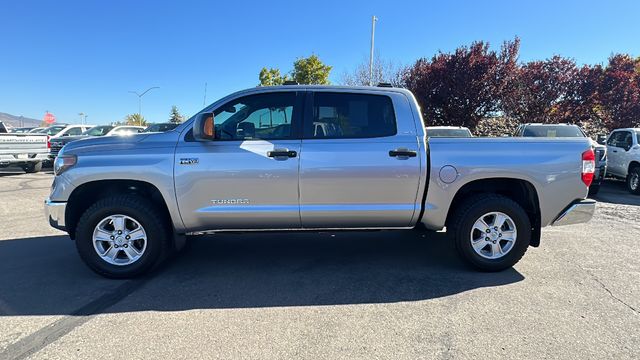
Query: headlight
x=63, y=162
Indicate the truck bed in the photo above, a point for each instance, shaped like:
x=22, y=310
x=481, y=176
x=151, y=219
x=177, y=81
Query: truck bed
x=551, y=166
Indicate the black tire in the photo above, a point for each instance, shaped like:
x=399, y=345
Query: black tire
x=594, y=189
x=31, y=168
x=470, y=211
x=153, y=221
x=634, y=172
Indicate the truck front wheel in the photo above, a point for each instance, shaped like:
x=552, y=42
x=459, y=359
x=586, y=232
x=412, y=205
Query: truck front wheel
x=633, y=180
x=122, y=236
x=492, y=232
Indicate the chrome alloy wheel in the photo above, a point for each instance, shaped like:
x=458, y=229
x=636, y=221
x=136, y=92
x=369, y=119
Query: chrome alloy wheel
x=119, y=240
x=493, y=235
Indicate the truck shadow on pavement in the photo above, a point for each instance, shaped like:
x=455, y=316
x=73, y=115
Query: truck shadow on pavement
x=45, y=276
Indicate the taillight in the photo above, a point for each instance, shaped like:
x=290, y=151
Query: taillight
x=48, y=142
x=588, y=166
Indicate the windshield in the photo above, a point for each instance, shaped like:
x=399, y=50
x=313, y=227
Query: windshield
x=98, y=130
x=448, y=133
x=52, y=130
x=553, y=131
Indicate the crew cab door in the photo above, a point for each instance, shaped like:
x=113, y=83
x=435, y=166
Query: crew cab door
x=360, y=161
x=247, y=178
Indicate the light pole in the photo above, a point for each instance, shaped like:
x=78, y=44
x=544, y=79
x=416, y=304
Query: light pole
x=140, y=99
x=373, y=31
x=83, y=118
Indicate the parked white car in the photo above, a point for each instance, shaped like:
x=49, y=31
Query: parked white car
x=56, y=131
x=623, y=147
x=100, y=130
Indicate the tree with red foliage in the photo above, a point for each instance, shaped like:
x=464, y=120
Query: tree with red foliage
x=463, y=87
x=541, y=90
x=582, y=103
x=619, y=92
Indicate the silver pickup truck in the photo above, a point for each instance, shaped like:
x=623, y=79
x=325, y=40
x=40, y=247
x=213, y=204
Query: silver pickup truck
x=24, y=150
x=295, y=158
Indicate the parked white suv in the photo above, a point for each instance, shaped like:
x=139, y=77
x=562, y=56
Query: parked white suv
x=623, y=147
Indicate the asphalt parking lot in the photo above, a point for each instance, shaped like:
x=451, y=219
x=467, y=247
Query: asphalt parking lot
x=399, y=295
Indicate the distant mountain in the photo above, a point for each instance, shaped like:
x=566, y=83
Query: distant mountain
x=17, y=121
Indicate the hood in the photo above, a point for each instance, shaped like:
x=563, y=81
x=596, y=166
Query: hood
x=108, y=142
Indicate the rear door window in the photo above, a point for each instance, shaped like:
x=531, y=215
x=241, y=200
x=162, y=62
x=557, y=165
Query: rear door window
x=346, y=115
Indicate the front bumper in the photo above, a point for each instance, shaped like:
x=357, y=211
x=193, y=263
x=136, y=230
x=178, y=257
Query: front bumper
x=578, y=212
x=55, y=212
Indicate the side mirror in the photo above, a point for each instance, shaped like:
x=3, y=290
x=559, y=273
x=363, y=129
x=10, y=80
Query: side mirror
x=601, y=139
x=204, y=127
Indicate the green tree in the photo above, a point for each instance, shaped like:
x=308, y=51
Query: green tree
x=135, y=119
x=175, y=116
x=271, y=77
x=311, y=70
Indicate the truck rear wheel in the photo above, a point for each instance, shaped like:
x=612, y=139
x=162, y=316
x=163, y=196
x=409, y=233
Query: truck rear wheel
x=122, y=237
x=33, y=167
x=633, y=180
x=491, y=232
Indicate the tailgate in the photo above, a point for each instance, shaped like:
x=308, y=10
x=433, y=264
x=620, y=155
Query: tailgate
x=23, y=144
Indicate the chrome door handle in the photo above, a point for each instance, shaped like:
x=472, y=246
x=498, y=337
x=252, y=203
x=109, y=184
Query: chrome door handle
x=282, y=153
x=402, y=153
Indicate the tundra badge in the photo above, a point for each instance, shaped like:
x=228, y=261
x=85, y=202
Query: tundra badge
x=188, y=161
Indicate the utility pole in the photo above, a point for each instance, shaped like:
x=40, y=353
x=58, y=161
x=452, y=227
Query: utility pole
x=140, y=99
x=204, y=101
x=373, y=32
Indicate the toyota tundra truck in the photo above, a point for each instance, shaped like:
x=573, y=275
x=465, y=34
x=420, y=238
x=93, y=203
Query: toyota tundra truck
x=313, y=158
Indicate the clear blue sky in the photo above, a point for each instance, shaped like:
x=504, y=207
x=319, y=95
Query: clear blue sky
x=83, y=56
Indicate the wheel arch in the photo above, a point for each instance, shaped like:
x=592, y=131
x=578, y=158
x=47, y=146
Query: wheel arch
x=519, y=190
x=88, y=193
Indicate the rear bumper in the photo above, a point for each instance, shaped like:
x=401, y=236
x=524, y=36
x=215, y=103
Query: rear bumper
x=55, y=211
x=578, y=212
x=16, y=160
